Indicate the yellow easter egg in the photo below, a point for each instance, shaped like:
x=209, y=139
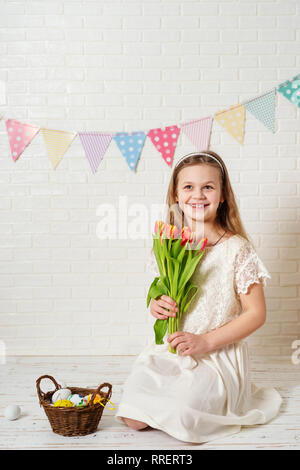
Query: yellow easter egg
x=63, y=403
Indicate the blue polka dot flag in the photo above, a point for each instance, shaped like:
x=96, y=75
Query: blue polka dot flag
x=130, y=144
x=263, y=108
x=291, y=90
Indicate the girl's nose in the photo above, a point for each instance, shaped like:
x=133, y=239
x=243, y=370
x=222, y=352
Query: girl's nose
x=198, y=193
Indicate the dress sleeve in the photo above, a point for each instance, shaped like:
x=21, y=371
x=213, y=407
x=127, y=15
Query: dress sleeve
x=248, y=269
x=151, y=265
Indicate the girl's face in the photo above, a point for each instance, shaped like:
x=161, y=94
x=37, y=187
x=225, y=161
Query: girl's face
x=199, y=184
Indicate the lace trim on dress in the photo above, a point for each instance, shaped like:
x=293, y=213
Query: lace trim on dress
x=248, y=269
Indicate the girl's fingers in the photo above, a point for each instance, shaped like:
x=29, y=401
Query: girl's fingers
x=170, y=302
x=187, y=352
x=165, y=312
x=179, y=341
x=168, y=305
x=160, y=317
x=183, y=347
x=158, y=312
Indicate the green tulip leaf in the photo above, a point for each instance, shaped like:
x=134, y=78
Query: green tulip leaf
x=160, y=328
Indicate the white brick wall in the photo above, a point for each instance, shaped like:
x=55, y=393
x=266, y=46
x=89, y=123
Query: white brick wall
x=124, y=66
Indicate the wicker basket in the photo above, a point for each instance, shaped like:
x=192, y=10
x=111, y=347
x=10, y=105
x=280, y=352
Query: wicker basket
x=75, y=421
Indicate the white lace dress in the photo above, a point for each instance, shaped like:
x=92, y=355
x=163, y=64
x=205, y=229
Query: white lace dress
x=202, y=398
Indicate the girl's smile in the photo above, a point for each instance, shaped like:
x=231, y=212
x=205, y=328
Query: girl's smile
x=198, y=206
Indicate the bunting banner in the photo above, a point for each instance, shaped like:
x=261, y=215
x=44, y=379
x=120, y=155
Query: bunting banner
x=57, y=143
x=233, y=120
x=19, y=136
x=198, y=131
x=263, y=108
x=131, y=144
x=95, y=145
x=165, y=139
x=291, y=90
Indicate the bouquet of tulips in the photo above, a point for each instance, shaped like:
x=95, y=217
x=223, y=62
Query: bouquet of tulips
x=176, y=262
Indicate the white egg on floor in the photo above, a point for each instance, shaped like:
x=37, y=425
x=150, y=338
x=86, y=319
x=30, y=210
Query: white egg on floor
x=12, y=412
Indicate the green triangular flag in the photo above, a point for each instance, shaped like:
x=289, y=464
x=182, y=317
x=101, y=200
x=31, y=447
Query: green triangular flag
x=291, y=90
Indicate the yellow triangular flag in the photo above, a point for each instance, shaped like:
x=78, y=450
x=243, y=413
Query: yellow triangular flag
x=233, y=120
x=57, y=143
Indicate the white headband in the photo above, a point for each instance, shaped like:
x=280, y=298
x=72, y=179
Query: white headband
x=200, y=154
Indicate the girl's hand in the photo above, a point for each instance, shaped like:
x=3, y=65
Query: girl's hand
x=158, y=307
x=188, y=344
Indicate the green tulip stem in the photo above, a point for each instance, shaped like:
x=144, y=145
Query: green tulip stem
x=173, y=325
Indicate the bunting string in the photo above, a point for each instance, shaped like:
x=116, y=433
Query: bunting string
x=164, y=139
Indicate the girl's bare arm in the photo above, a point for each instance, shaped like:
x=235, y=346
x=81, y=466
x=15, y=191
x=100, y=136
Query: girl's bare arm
x=252, y=318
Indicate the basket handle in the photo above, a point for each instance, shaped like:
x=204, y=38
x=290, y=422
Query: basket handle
x=40, y=393
x=105, y=384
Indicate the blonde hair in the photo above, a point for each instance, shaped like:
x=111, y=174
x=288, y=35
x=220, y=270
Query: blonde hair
x=228, y=216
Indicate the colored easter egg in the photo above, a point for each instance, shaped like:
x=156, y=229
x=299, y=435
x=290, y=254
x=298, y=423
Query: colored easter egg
x=75, y=398
x=83, y=402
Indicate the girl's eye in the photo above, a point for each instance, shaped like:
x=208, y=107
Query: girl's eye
x=189, y=186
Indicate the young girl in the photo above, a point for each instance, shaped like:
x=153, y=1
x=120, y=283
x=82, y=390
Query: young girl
x=204, y=391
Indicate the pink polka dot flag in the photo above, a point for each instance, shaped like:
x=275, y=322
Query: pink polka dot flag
x=19, y=136
x=165, y=140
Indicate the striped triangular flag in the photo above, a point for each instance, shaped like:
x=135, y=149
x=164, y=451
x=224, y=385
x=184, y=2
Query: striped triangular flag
x=57, y=143
x=95, y=145
x=198, y=131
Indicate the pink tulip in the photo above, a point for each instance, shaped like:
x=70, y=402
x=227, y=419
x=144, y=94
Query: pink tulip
x=159, y=227
x=186, y=235
x=171, y=231
x=204, y=242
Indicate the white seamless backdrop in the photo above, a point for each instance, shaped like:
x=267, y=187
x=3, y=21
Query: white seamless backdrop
x=125, y=66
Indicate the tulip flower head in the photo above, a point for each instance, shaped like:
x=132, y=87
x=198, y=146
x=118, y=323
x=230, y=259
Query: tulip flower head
x=203, y=243
x=171, y=231
x=158, y=228
x=186, y=236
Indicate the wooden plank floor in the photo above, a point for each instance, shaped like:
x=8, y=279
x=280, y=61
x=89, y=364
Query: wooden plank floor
x=32, y=430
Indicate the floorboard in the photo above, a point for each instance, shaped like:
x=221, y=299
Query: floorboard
x=32, y=430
